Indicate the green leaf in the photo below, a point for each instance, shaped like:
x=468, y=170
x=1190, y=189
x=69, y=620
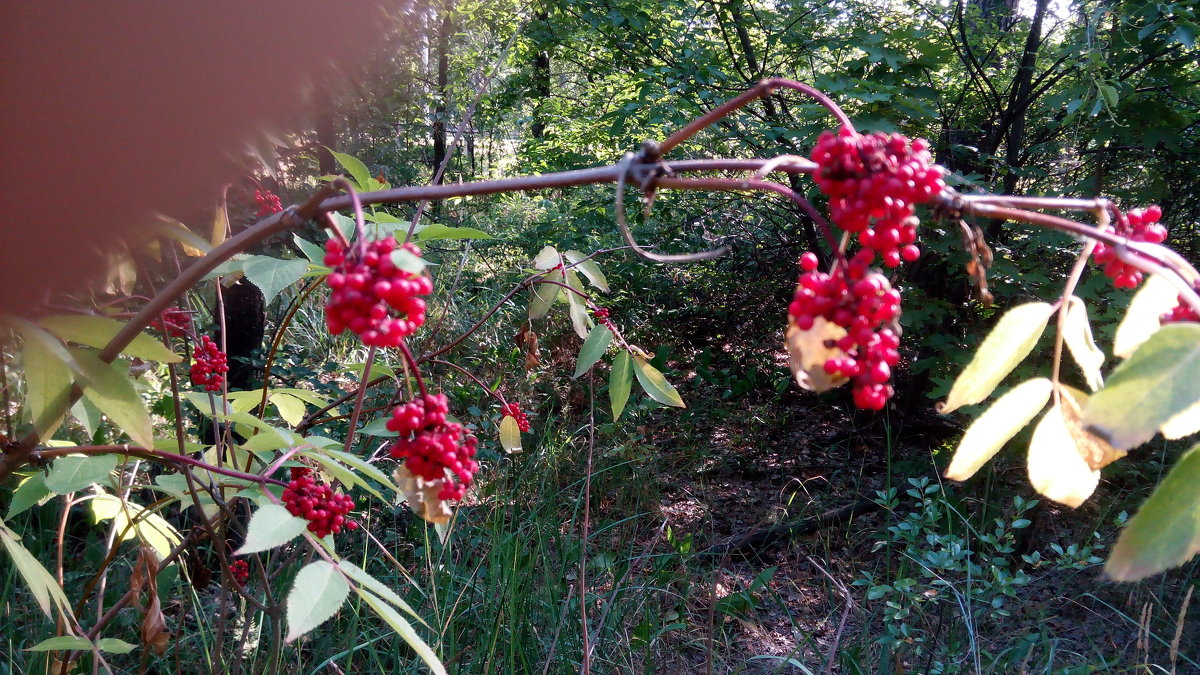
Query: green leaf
x=655, y=384
x=408, y=261
x=73, y=643
x=318, y=592
x=47, y=384
x=150, y=528
x=30, y=492
x=111, y=389
x=544, y=297
x=44, y=587
x=377, y=428
x=1159, y=381
x=1156, y=297
x=272, y=275
x=341, y=473
x=72, y=474
x=620, y=382
x=1009, y=342
x=997, y=425
x=305, y=395
x=361, y=465
x=588, y=268
x=360, y=576
x=1056, y=468
x=594, y=347
x=1077, y=333
x=97, y=331
x=1165, y=532
x=314, y=253
x=580, y=320
x=354, y=166
x=439, y=231
x=404, y=629
x=291, y=409
x=88, y=415
x=271, y=526
x=547, y=258
x=192, y=244
x=1109, y=94
x=510, y=434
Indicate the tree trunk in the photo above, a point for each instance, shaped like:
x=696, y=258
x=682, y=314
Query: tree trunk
x=439, y=113
x=541, y=82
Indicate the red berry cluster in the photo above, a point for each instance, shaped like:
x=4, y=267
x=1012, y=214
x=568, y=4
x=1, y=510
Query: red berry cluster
x=240, y=571
x=371, y=296
x=861, y=301
x=430, y=445
x=175, y=322
x=1181, y=312
x=324, y=509
x=1138, y=225
x=514, y=411
x=268, y=202
x=873, y=183
x=601, y=316
x=209, y=365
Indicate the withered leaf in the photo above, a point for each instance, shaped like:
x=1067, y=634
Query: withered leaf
x=1095, y=450
x=808, y=352
x=422, y=496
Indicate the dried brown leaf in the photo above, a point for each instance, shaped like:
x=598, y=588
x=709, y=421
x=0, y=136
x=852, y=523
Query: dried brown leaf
x=1095, y=450
x=808, y=352
x=422, y=496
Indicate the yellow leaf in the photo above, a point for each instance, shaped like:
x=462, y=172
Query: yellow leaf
x=997, y=425
x=510, y=434
x=1156, y=297
x=1056, y=468
x=807, y=354
x=1095, y=450
x=1007, y=345
x=1077, y=333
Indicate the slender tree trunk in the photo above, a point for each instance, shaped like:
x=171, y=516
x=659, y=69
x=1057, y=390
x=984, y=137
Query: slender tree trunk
x=443, y=77
x=326, y=134
x=541, y=82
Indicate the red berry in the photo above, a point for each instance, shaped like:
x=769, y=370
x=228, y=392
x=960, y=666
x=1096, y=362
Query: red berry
x=1181, y=312
x=267, y=202
x=209, y=365
x=317, y=503
x=514, y=411
x=1137, y=225
x=240, y=571
x=809, y=261
x=432, y=448
x=175, y=322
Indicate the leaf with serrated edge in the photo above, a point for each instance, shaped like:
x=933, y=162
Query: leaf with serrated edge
x=1094, y=450
x=354, y=166
x=290, y=408
x=360, y=576
x=655, y=384
x=44, y=587
x=271, y=526
x=317, y=594
x=111, y=389
x=620, y=382
x=357, y=463
x=1009, y=342
x=97, y=331
x=273, y=275
x=1077, y=333
x=1056, y=469
x=807, y=354
x=1156, y=297
x=150, y=528
x=1154, y=385
x=997, y=425
x=1165, y=532
x=30, y=492
x=510, y=434
x=71, y=474
x=588, y=268
x=547, y=258
x=593, y=349
x=47, y=386
x=404, y=629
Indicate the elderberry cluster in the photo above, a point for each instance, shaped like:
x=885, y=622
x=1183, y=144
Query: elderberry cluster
x=209, y=365
x=371, y=296
x=514, y=411
x=1180, y=313
x=316, y=502
x=175, y=322
x=431, y=446
x=268, y=202
x=873, y=182
x=1138, y=225
x=240, y=571
x=862, y=302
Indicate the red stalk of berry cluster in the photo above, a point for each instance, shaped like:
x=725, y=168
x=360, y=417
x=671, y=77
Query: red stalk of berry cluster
x=431, y=447
x=371, y=296
x=316, y=502
x=209, y=365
